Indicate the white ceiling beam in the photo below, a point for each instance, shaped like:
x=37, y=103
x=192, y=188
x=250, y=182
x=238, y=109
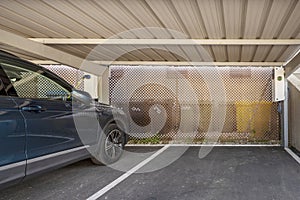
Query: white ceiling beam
x=44, y=62
x=183, y=63
x=159, y=63
x=168, y=41
x=50, y=53
x=295, y=81
x=179, y=63
x=293, y=64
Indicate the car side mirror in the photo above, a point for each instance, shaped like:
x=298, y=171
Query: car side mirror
x=82, y=96
x=86, y=76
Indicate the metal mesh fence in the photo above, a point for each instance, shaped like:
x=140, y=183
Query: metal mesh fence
x=294, y=110
x=30, y=84
x=69, y=74
x=251, y=116
x=34, y=85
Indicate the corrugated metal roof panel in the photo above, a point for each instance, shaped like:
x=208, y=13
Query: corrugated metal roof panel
x=277, y=17
x=234, y=53
x=124, y=16
x=247, y=53
x=288, y=53
x=275, y=53
x=168, y=15
x=197, y=19
x=220, y=53
x=212, y=14
x=261, y=53
x=234, y=17
x=191, y=19
x=291, y=27
x=22, y=20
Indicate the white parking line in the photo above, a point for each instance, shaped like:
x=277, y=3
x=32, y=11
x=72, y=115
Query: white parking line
x=295, y=156
x=126, y=175
x=204, y=145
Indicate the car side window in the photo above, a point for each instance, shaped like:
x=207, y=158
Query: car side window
x=31, y=84
x=2, y=89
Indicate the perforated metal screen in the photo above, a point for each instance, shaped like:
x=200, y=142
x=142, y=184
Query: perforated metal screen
x=187, y=97
x=31, y=84
x=35, y=85
x=69, y=74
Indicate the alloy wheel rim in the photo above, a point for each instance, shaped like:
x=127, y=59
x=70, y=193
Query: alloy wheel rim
x=113, y=143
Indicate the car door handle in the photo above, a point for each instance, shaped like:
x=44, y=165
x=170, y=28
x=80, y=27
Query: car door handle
x=34, y=108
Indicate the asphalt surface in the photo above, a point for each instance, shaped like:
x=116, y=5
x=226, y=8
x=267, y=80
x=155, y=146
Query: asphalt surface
x=225, y=173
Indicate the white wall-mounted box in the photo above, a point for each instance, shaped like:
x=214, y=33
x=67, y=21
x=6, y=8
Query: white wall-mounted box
x=91, y=85
x=278, y=93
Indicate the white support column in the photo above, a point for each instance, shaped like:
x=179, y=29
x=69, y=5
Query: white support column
x=291, y=66
x=104, y=87
x=286, y=117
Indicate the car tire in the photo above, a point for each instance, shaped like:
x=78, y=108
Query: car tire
x=110, y=146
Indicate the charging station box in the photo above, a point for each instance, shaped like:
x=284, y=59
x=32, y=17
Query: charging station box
x=278, y=84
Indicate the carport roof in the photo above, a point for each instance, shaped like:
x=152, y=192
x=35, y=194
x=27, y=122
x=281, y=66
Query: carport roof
x=230, y=31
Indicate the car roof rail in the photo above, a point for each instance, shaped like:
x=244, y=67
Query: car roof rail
x=5, y=53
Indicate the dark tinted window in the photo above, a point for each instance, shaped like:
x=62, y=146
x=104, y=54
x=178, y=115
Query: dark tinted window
x=33, y=84
x=2, y=89
x=2, y=85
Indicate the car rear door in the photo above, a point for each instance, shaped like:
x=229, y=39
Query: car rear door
x=12, y=137
x=47, y=112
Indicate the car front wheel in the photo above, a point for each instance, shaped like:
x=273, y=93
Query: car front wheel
x=110, y=145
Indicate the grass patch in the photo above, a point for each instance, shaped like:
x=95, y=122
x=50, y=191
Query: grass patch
x=151, y=140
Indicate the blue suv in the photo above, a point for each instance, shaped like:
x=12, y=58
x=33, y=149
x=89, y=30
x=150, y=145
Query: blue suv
x=45, y=123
